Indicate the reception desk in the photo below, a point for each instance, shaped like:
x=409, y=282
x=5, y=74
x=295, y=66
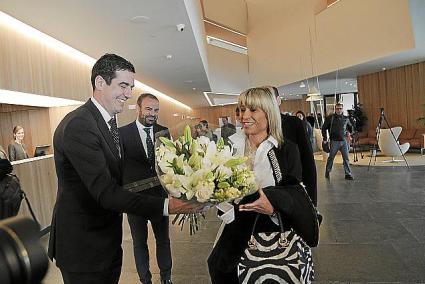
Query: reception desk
x=39, y=182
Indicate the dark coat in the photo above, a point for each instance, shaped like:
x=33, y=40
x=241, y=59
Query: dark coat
x=86, y=231
x=293, y=130
x=136, y=165
x=288, y=198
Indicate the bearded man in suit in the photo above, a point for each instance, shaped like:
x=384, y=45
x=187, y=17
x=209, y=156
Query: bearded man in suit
x=138, y=140
x=86, y=233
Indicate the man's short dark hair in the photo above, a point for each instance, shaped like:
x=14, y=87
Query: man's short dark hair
x=204, y=123
x=107, y=65
x=143, y=96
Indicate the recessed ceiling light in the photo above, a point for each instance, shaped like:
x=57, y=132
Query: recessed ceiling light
x=169, y=56
x=188, y=81
x=290, y=94
x=140, y=19
x=194, y=89
x=302, y=85
x=383, y=68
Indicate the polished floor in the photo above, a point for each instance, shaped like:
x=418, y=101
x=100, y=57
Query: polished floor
x=373, y=232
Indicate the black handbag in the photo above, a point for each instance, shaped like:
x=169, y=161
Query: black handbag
x=276, y=257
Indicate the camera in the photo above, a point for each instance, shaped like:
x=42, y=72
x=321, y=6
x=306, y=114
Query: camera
x=180, y=27
x=22, y=258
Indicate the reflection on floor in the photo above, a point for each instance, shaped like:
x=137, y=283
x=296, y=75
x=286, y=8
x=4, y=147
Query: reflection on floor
x=373, y=231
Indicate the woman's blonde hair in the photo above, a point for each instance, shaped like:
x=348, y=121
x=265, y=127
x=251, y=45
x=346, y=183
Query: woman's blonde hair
x=262, y=98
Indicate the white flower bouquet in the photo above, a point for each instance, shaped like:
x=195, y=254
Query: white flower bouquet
x=202, y=171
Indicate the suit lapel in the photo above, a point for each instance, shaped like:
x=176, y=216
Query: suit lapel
x=103, y=128
x=138, y=145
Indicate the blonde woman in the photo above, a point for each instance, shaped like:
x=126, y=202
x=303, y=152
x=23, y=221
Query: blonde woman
x=277, y=167
x=17, y=149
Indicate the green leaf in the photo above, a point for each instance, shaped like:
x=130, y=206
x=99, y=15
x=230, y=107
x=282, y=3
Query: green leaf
x=235, y=162
x=167, y=142
x=223, y=184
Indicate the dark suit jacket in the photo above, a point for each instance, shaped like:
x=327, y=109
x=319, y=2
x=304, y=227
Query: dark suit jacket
x=86, y=229
x=290, y=200
x=293, y=130
x=135, y=162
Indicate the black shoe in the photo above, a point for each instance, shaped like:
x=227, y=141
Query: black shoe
x=349, y=177
x=168, y=281
x=326, y=175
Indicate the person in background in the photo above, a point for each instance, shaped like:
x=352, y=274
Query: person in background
x=138, y=140
x=293, y=130
x=86, y=231
x=277, y=167
x=227, y=130
x=3, y=154
x=17, y=149
x=207, y=132
x=339, y=128
x=310, y=119
x=199, y=131
x=307, y=127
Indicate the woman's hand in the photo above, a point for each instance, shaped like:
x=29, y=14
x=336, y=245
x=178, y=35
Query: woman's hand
x=261, y=205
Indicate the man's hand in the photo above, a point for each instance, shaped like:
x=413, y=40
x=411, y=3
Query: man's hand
x=261, y=205
x=178, y=206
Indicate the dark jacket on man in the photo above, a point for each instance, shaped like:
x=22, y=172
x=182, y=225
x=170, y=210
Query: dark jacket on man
x=293, y=130
x=86, y=232
x=338, y=126
x=136, y=165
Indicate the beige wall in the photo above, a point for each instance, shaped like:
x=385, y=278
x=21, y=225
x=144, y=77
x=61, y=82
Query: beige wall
x=348, y=33
x=229, y=13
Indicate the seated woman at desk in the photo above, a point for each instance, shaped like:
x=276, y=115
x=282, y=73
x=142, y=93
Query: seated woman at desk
x=17, y=149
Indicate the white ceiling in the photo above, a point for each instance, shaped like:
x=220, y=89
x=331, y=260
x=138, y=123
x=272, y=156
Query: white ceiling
x=96, y=27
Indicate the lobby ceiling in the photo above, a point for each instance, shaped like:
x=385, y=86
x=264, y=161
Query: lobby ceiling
x=145, y=32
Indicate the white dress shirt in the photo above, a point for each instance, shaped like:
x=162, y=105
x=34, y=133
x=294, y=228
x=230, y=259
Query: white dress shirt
x=143, y=134
x=107, y=117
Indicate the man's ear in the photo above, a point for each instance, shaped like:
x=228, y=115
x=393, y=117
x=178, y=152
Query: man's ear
x=99, y=82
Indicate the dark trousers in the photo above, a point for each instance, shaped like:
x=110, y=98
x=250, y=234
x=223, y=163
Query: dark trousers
x=139, y=232
x=111, y=276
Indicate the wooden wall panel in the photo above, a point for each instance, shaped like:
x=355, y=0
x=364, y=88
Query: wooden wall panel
x=212, y=114
x=29, y=66
x=35, y=122
x=38, y=180
x=400, y=91
x=293, y=106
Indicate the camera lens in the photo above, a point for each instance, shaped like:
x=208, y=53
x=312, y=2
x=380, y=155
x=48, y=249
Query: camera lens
x=22, y=258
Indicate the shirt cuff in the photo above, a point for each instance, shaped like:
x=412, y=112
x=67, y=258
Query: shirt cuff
x=165, y=211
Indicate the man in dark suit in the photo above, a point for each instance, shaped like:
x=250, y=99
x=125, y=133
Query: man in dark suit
x=138, y=139
x=293, y=130
x=86, y=231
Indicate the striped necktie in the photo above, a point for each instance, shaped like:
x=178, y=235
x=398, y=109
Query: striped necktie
x=114, y=132
x=149, y=145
